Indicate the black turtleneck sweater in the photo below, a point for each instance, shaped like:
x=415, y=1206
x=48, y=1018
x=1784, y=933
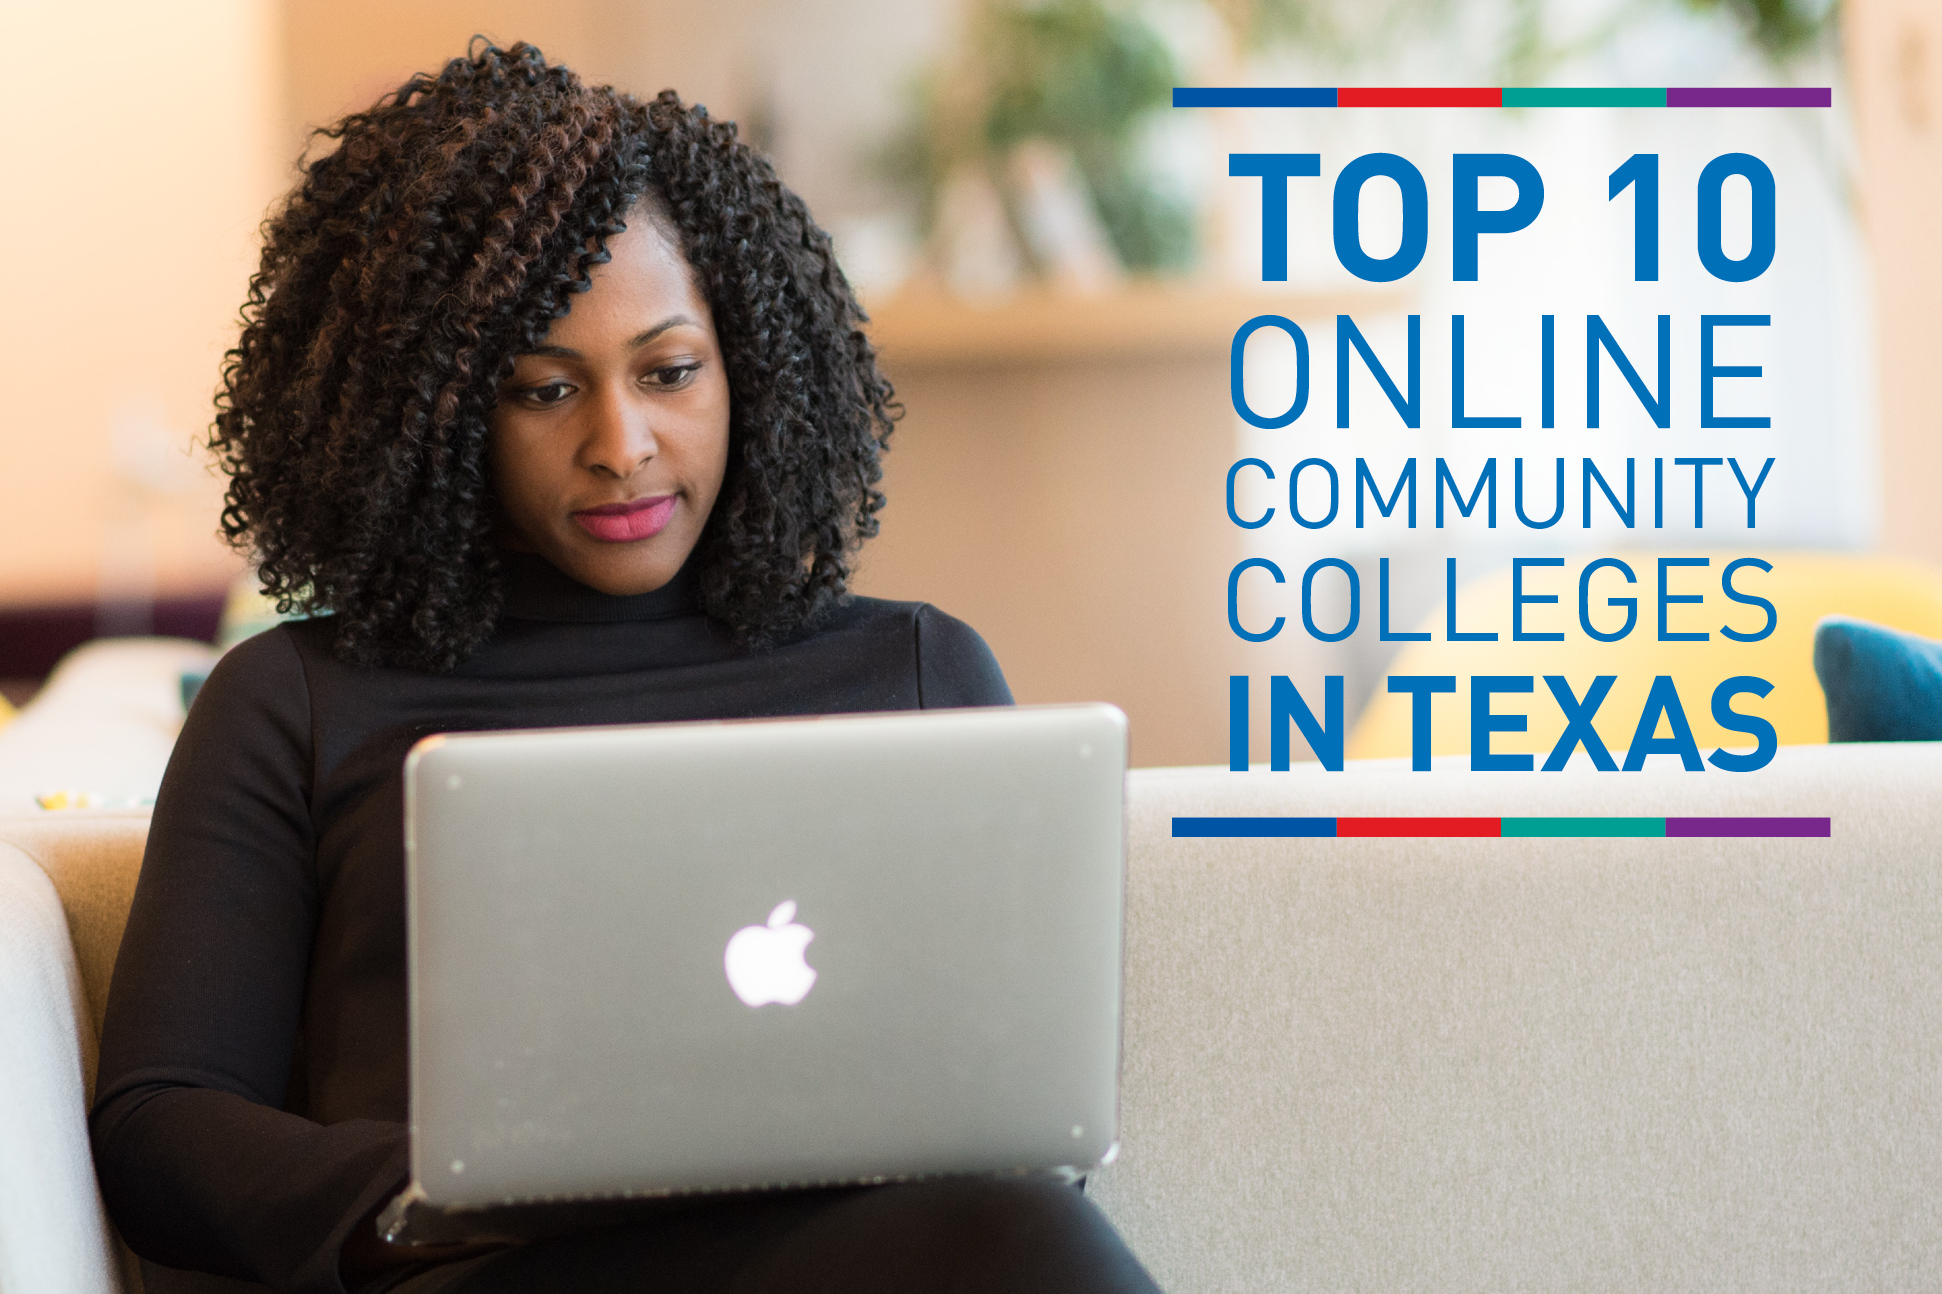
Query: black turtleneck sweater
x=251, y=1099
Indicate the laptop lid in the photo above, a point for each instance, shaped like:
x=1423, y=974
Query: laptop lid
x=691, y=957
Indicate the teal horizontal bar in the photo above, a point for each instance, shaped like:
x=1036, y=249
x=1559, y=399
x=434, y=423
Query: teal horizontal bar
x=1585, y=97
x=1583, y=827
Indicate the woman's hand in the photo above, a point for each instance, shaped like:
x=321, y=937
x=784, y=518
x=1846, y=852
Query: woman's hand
x=366, y=1253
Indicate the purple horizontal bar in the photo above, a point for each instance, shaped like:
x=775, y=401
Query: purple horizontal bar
x=1715, y=828
x=1815, y=96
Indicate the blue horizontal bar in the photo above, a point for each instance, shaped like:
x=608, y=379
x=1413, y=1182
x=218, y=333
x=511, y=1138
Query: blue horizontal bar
x=1253, y=96
x=1253, y=827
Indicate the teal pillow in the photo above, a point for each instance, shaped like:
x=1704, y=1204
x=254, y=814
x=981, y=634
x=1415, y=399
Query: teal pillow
x=246, y=613
x=192, y=681
x=1881, y=684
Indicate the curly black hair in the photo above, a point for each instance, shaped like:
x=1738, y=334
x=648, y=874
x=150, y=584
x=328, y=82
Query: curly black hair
x=449, y=227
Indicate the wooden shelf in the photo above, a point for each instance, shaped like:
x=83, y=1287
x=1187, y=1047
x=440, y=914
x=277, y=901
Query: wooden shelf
x=925, y=327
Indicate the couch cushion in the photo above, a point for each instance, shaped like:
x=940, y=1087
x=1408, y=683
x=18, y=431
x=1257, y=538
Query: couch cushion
x=1803, y=587
x=1503, y=1064
x=102, y=726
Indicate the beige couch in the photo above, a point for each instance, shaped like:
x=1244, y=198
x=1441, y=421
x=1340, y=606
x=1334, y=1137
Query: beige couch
x=65, y=885
x=1545, y=1065
x=1369, y=1065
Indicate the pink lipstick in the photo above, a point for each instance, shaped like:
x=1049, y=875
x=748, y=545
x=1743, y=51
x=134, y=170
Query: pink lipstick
x=620, y=523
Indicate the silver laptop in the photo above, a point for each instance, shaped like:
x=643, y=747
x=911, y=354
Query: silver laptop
x=677, y=958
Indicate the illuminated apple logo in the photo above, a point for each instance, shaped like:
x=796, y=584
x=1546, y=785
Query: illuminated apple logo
x=765, y=963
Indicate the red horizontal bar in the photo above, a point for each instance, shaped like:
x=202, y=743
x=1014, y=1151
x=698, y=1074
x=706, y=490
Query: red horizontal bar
x=1411, y=97
x=1490, y=828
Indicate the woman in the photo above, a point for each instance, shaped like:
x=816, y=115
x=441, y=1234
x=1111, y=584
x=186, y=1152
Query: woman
x=550, y=408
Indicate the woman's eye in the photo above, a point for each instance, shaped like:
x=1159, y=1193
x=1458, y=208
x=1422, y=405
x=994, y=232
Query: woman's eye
x=673, y=376
x=549, y=394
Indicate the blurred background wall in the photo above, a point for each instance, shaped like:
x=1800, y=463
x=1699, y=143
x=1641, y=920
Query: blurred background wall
x=1894, y=63
x=1058, y=479
x=141, y=145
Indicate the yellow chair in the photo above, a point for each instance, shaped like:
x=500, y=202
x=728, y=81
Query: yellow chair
x=1803, y=587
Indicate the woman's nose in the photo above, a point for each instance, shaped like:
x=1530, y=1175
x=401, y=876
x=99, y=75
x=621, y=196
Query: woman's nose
x=620, y=436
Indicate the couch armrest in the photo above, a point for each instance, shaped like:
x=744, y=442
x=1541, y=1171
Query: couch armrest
x=92, y=858
x=53, y=1232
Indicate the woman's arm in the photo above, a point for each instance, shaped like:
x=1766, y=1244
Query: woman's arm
x=200, y=1165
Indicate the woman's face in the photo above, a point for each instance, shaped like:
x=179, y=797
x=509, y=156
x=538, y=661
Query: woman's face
x=609, y=442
